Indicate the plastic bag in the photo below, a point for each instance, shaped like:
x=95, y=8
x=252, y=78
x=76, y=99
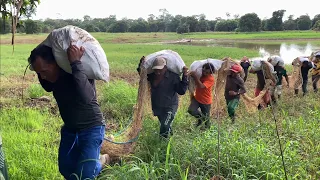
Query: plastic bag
x=174, y=61
x=197, y=65
x=94, y=59
x=257, y=65
x=274, y=60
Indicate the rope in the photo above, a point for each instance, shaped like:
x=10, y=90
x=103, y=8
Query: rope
x=127, y=142
x=123, y=130
x=275, y=121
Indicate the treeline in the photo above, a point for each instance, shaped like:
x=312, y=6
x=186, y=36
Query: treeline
x=168, y=23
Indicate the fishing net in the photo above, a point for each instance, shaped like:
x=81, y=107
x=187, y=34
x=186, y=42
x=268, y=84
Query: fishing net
x=251, y=104
x=111, y=145
x=295, y=79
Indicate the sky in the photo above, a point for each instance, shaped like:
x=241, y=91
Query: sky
x=134, y=9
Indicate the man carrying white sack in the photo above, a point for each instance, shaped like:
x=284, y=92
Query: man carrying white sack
x=203, y=95
x=84, y=126
x=165, y=87
x=281, y=71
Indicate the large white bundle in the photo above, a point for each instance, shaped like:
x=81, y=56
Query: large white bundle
x=274, y=60
x=257, y=65
x=303, y=58
x=94, y=59
x=197, y=65
x=174, y=61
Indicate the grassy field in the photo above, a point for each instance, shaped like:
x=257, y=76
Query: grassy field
x=159, y=37
x=249, y=148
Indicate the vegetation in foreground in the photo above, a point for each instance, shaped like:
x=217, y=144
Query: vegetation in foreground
x=248, y=149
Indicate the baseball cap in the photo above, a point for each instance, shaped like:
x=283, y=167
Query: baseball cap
x=236, y=68
x=159, y=63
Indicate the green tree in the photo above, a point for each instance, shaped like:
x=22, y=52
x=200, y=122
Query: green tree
x=304, y=22
x=14, y=9
x=316, y=26
x=183, y=28
x=250, y=22
x=275, y=23
x=212, y=24
x=315, y=19
x=290, y=24
x=119, y=27
x=226, y=25
x=31, y=27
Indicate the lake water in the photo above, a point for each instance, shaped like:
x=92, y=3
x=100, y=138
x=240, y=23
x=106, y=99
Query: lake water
x=287, y=50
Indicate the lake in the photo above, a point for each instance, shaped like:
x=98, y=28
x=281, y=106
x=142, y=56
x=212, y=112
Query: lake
x=287, y=50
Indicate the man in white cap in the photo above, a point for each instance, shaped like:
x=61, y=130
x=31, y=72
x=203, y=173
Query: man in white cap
x=165, y=87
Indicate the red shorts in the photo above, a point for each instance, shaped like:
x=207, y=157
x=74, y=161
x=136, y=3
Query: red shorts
x=266, y=97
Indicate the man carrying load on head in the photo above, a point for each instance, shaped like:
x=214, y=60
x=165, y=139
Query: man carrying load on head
x=261, y=82
x=305, y=67
x=316, y=71
x=281, y=72
x=165, y=87
x=203, y=95
x=84, y=126
x=234, y=87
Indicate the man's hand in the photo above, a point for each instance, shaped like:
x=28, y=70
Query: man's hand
x=193, y=74
x=232, y=93
x=185, y=71
x=74, y=53
x=142, y=59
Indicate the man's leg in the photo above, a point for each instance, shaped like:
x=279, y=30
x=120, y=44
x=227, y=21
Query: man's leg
x=166, y=120
x=246, y=75
x=205, y=109
x=272, y=94
x=315, y=80
x=232, y=105
x=193, y=110
x=68, y=153
x=90, y=141
x=304, y=86
x=279, y=90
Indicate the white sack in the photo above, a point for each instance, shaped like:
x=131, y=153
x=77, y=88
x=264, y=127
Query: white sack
x=257, y=65
x=276, y=59
x=94, y=59
x=197, y=65
x=174, y=61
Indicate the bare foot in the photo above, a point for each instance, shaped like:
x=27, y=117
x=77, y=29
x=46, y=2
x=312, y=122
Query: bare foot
x=104, y=159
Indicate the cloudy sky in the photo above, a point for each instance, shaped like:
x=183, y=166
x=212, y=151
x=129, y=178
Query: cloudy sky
x=142, y=8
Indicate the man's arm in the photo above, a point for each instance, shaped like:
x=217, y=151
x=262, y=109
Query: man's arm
x=46, y=85
x=83, y=86
x=141, y=60
x=181, y=86
x=242, y=89
x=199, y=84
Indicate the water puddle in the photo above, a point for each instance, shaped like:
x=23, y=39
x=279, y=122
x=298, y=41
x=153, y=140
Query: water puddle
x=287, y=50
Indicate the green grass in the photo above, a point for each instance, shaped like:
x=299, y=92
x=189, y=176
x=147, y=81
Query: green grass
x=158, y=37
x=249, y=148
x=30, y=140
x=36, y=91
